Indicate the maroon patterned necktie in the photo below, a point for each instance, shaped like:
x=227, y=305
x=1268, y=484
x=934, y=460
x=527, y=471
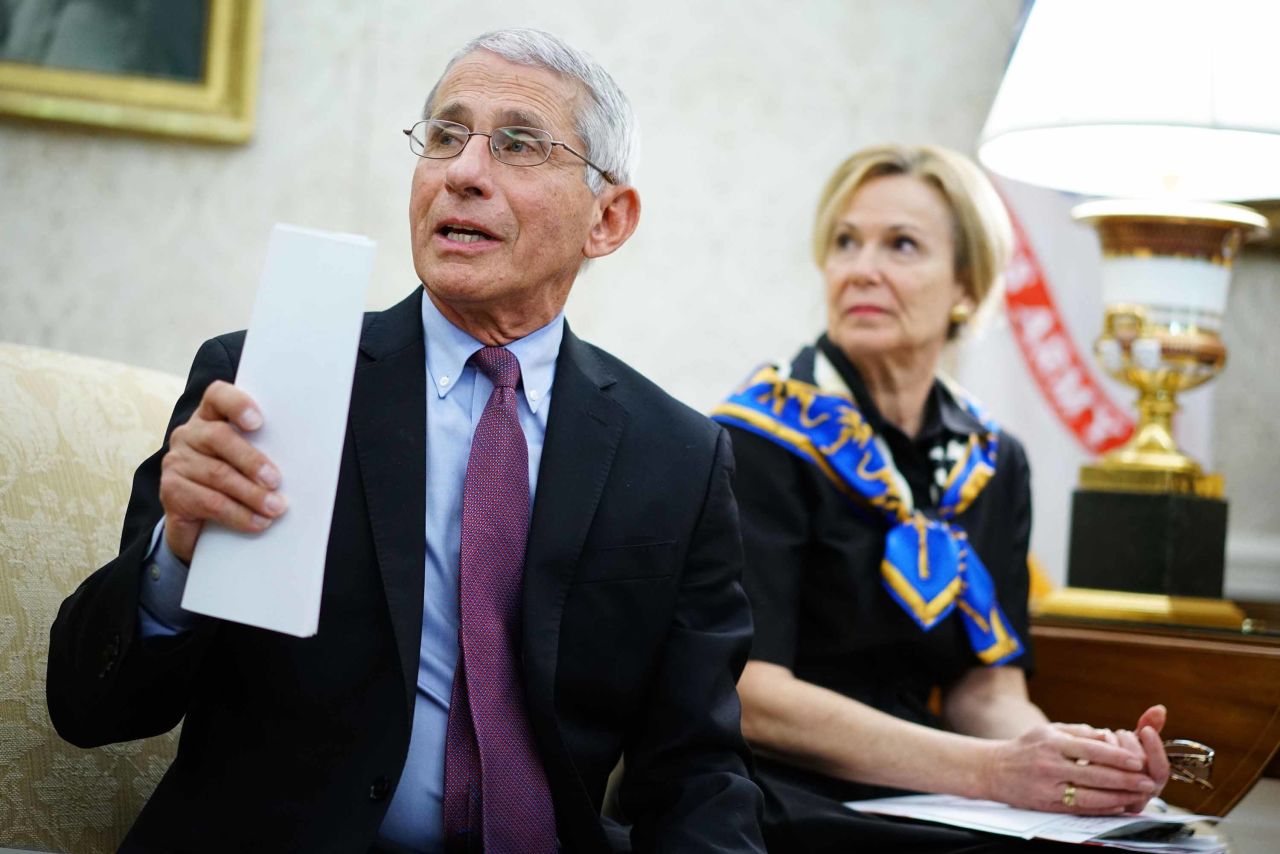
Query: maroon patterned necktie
x=496, y=797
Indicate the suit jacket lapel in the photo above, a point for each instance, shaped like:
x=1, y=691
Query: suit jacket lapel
x=388, y=419
x=583, y=430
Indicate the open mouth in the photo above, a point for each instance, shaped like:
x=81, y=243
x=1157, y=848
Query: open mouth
x=463, y=234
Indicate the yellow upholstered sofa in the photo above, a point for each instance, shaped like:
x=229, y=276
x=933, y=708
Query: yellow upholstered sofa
x=72, y=430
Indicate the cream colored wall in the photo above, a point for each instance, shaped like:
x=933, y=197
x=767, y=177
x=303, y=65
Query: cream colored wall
x=1246, y=427
x=137, y=250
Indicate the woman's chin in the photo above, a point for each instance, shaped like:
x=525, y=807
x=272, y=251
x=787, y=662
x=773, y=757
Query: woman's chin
x=867, y=343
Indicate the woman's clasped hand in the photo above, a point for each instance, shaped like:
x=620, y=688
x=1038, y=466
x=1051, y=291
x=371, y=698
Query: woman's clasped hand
x=1080, y=769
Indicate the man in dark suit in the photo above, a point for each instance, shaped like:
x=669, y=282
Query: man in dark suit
x=465, y=691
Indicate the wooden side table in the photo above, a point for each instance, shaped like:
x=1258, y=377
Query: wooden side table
x=1221, y=688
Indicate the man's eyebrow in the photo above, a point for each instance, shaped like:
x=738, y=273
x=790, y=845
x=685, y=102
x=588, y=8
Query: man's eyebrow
x=521, y=118
x=452, y=112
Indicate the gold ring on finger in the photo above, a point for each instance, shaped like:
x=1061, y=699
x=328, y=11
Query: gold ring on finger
x=1069, y=796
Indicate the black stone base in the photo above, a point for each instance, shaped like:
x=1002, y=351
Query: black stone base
x=1143, y=543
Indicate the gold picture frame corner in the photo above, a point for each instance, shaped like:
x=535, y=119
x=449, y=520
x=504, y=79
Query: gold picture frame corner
x=220, y=109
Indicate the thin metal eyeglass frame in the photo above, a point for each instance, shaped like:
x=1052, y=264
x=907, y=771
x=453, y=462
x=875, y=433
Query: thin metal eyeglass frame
x=607, y=175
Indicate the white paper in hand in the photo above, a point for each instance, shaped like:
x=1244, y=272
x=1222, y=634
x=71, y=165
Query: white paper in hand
x=297, y=365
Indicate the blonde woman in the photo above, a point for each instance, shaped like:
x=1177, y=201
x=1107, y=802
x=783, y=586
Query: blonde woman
x=886, y=518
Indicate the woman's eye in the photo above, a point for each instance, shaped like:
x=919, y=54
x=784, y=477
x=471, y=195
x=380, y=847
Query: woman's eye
x=905, y=244
x=844, y=241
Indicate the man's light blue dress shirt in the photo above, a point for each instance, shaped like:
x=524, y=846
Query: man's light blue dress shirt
x=456, y=397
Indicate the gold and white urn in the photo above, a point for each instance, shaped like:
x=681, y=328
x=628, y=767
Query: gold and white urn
x=1165, y=274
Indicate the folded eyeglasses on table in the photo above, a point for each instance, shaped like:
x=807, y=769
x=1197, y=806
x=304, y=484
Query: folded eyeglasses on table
x=1190, y=761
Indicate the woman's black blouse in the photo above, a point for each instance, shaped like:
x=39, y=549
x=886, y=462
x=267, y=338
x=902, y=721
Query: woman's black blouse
x=813, y=566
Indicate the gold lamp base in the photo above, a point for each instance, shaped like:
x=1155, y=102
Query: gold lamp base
x=1119, y=605
x=1118, y=477
x=1151, y=461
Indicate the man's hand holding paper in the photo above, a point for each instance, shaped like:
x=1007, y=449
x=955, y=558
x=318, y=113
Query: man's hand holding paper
x=213, y=473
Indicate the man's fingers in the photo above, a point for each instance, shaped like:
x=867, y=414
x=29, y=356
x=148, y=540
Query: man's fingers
x=222, y=401
x=213, y=473
x=221, y=441
x=220, y=476
x=189, y=500
x=210, y=432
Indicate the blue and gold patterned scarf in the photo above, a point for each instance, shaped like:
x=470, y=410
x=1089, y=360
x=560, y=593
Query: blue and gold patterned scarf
x=929, y=568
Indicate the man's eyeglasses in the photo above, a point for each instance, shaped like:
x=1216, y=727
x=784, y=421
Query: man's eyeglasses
x=515, y=146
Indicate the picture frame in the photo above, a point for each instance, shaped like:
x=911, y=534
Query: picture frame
x=216, y=105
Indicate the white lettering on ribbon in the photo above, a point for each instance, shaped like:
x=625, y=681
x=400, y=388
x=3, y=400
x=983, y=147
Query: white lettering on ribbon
x=1059, y=370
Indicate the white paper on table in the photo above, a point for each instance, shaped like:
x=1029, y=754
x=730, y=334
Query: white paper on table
x=298, y=363
x=993, y=817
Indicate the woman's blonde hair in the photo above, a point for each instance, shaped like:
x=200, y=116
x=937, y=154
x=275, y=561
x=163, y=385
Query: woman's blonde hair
x=983, y=234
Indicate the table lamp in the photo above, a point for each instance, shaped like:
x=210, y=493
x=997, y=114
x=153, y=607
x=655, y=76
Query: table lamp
x=1168, y=109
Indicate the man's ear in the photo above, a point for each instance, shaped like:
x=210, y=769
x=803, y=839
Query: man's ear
x=619, y=216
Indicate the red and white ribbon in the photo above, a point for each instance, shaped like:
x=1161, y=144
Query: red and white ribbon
x=1059, y=369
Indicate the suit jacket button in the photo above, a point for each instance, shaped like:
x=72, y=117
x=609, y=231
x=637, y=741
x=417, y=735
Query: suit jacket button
x=378, y=788
x=109, y=655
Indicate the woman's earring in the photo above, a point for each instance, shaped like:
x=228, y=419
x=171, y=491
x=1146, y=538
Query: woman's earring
x=960, y=314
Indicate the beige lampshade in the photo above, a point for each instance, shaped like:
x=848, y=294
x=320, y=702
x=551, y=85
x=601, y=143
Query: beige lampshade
x=1142, y=98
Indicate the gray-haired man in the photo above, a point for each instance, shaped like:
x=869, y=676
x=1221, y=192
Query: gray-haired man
x=534, y=560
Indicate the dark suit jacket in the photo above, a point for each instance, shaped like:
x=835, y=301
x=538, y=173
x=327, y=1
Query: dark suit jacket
x=635, y=630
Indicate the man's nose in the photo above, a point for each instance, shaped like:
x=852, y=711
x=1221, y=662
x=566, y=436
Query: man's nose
x=470, y=172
